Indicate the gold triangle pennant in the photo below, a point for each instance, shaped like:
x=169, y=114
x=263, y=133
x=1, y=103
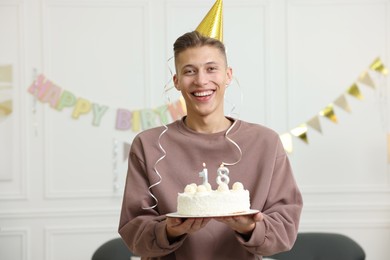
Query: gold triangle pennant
x=300, y=132
x=328, y=112
x=314, y=123
x=342, y=102
x=355, y=91
x=366, y=79
x=378, y=66
x=6, y=108
x=287, y=142
x=212, y=23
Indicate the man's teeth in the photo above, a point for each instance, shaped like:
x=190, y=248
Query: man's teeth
x=203, y=94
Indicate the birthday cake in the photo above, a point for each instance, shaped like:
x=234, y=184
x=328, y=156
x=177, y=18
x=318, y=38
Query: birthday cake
x=201, y=200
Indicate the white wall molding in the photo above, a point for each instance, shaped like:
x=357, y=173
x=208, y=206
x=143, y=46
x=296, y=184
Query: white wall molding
x=344, y=189
x=15, y=187
x=59, y=213
x=361, y=214
x=342, y=224
x=52, y=192
x=336, y=2
x=21, y=233
x=54, y=234
x=347, y=207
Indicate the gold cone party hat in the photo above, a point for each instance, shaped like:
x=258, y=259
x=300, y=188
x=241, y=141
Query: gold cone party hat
x=212, y=23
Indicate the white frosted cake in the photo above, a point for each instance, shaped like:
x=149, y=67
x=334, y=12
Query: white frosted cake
x=201, y=200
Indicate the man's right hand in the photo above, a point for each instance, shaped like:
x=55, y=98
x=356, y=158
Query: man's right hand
x=177, y=227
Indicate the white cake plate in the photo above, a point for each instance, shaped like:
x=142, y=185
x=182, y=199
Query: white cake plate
x=249, y=212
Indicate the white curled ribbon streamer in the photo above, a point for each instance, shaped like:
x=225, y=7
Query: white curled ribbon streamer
x=156, y=171
x=234, y=143
x=235, y=121
x=166, y=89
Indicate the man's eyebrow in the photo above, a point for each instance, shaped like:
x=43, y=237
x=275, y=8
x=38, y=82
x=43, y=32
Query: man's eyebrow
x=207, y=63
x=188, y=65
x=211, y=63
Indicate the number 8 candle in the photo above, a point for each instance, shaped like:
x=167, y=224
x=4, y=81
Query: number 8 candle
x=223, y=173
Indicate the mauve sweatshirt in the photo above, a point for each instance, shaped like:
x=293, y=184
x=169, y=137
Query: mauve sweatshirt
x=262, y=167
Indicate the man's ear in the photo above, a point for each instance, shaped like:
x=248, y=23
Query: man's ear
x=176, y=82
x=229, y=73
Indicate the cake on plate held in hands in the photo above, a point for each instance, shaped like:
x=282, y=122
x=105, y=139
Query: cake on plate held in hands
x=201, y=200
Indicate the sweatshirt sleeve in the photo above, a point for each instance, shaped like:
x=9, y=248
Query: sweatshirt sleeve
x=143, y=230
x=282, y=210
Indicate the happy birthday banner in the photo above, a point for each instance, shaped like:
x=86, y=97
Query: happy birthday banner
x=46, y=91
x=5, y=88
x=301, y=131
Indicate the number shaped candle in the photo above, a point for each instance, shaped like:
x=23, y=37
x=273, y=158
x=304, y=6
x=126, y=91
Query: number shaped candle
x=203, y=174
x=223, y=173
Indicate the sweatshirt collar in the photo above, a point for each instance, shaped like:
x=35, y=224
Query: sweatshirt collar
x=184, y=129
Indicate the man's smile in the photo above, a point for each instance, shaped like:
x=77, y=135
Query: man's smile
x=203, y=93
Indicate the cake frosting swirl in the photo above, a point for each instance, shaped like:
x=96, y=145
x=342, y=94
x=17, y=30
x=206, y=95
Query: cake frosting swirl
x=202, y=200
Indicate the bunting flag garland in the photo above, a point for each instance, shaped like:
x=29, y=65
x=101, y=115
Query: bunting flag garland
x=301, y=131
x=46, y=91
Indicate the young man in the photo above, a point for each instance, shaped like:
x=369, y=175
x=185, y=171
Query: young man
x=163, y=161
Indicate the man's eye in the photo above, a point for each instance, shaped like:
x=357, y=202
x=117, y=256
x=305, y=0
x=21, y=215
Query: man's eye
x=189, y=71
x=212, y=69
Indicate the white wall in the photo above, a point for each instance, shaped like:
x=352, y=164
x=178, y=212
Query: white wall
x=59, y=176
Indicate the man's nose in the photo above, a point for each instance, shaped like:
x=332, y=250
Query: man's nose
x=201, y=78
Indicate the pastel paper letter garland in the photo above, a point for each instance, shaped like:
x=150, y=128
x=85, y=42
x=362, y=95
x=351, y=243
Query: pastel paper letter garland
x=5, y=91
x=47, y=92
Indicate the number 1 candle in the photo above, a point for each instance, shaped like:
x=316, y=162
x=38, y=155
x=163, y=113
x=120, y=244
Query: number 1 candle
x=204, y=175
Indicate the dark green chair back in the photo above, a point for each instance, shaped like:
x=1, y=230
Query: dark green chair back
x=114, y=249
x=323, y=246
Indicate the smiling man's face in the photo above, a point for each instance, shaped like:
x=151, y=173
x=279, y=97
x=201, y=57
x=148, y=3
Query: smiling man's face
x=202, y=76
